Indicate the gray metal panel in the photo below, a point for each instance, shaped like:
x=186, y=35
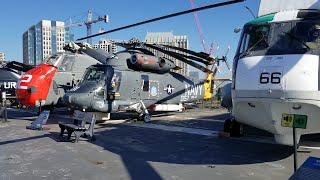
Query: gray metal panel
x=278, y=94
x=272, y=6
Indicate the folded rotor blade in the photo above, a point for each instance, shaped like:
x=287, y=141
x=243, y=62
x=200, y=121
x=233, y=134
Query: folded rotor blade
x=165, y=17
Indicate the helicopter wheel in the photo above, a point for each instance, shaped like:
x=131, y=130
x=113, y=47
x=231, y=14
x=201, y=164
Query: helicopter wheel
x=233, y=127
x=144, y=117
x=227, y=125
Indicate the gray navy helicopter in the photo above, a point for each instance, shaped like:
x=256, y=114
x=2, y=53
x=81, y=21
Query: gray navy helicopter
x=137, y=80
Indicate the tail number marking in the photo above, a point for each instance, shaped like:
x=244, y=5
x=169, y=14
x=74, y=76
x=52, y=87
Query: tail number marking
x=273, y=78
x=25, y=79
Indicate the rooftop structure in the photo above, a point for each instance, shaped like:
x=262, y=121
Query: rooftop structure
x=169, y=39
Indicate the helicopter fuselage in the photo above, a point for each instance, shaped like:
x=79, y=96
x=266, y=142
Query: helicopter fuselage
x=276, y=74
x=117, y=86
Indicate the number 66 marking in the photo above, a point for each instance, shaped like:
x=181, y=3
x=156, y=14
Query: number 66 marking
x=273, y=78
x=25, y=79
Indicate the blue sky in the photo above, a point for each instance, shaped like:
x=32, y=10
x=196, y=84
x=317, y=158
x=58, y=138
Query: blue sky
x=217, y=24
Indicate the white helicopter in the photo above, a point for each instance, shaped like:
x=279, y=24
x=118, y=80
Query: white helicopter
x=276, y=70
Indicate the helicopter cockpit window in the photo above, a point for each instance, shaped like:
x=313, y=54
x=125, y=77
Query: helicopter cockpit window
x=67, y=63
x=255, y=38
x=94, y=74
x=309, y=32
x=52, y=59
x=116, y=81
x=145, y=82
x=277, y=38
x=99, y=92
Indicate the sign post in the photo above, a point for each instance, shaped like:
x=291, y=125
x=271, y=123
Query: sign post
x=294, y=121
x=295, y=149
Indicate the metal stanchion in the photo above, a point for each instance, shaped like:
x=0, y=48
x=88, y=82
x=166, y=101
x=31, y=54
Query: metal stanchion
x=4, y=105
x=40, y=106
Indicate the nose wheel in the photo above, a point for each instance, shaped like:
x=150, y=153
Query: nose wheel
x=144, y=117
x=233, y=127
x=144, y=113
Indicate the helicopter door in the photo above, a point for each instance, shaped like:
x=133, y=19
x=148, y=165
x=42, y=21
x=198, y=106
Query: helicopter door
x=133, y=83
x=145, y=87
x=109, y=93
x=116, y=82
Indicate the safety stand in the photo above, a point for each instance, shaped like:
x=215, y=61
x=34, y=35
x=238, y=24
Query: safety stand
x=3, y=110
x=38, y=124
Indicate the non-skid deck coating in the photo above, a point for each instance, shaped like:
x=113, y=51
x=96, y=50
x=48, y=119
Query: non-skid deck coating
x=137, y=151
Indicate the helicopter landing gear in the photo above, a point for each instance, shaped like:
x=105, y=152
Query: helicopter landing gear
x=233, y=127
x=144, y=117
x=144, y=113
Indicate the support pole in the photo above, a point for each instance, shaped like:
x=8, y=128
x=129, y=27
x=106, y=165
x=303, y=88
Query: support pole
x=40, y=106
x=295, y=149
x=5, y=113
x=4, y=105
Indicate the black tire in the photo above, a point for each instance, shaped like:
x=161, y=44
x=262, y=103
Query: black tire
x=227, y=126
x=147, y=118
x=144, y=117
x=236, y=129
x=93, y=138
x=140, y=117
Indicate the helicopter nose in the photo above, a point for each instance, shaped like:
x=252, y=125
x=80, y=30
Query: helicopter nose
x=33, y=87
x=76, y=100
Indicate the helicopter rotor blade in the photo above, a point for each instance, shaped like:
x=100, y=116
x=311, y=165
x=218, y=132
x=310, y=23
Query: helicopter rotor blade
x=98, y=54
x=212, y=48
x=225, y=57
x=179, y=57
x=227, y=64
x=166, y=17
x=201, y=55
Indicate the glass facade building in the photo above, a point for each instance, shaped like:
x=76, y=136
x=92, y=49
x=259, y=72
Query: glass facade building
x=44, y=39
x=2, y=57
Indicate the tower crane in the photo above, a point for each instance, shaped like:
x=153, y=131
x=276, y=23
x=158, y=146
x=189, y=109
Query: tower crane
x=88, y=23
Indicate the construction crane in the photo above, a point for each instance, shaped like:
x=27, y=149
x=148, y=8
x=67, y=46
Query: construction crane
x=200, y=32
x=208, y=50
x=88, y=23
x=196, y=18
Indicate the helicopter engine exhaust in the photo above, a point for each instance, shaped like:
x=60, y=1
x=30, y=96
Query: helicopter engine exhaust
x=151, y=63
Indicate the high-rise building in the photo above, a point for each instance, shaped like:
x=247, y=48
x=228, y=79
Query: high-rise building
x=169, y=39
x=106, y=45
x=2, y=56
x=43, y=40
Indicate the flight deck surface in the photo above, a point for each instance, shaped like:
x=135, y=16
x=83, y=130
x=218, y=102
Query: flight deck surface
x=176, y=146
